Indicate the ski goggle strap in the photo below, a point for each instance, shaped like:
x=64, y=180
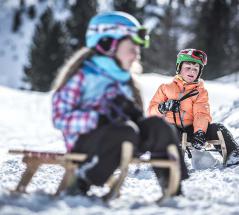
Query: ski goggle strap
x=196, y=54
x=141, y=37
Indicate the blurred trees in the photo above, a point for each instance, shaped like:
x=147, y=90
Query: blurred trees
x=212, y=34
x=47, y=52
x=129, y=6
x=233, y=43
x=160, y=57
x=210, y=25
x=81, y=12
x=54, y=41
x=17, y=20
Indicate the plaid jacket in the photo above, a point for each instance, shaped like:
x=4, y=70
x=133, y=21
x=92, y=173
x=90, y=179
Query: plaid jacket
x=77, y=105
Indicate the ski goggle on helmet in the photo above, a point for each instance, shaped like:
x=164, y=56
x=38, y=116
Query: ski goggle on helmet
x=191, y=55
x=116, y=25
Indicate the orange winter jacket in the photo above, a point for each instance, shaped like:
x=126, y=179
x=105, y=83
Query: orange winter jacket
x=194, y=110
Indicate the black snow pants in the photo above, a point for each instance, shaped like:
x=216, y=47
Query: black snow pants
x=103, y=146
x=211, y=134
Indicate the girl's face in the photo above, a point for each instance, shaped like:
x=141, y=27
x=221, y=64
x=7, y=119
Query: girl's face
x=189, y=71
x=127, y=52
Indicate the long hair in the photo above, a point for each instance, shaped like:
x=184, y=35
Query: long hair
x=71, y=67
x=136, y=93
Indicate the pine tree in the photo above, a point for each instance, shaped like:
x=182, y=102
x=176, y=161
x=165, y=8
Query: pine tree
x=81, y=13
x=17, y=20
x=32, y=12
x=212, y=35
x=128, y=6
x=47, y=52
x=233, y=44
x=22, y=5
x=161, y=54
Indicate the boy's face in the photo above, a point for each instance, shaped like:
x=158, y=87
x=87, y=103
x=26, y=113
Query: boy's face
x=189, y=71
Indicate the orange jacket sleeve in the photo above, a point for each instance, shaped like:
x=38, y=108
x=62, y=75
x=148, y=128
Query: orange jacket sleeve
x=158, y=98
x=201, y=111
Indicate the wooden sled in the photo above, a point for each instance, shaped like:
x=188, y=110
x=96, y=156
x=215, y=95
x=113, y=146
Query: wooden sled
x=174, y=166
x=209, y=145
x=34, y=160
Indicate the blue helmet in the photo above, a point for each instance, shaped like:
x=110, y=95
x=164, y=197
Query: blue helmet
x=115, y=25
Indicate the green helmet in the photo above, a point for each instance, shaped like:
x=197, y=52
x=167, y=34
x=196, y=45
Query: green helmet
x=191, y=55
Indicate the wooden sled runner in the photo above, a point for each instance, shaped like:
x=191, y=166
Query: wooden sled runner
x=209, y=144
x=68, y=161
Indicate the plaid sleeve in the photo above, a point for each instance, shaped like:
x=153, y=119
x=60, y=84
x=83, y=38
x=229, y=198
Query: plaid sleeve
x=67, y=115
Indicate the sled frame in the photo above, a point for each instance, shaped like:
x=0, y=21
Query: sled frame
x=209, y=144
x=70, y=162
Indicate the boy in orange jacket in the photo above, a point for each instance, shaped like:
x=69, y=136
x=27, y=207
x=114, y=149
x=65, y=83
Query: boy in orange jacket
x=184, y=103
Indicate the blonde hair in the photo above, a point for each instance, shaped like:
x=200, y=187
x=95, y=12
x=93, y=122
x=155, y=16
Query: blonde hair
x=71, y=67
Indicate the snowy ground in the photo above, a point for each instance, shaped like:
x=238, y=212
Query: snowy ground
x=25, y=124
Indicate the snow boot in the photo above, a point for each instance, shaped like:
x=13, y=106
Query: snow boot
x=78, y=186
x=233, y=158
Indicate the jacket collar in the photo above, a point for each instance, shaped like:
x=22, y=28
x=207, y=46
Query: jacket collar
x=107, y=66
x=184, y=85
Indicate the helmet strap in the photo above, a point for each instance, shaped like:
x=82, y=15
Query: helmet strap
x=178, y=68
x=200, y=72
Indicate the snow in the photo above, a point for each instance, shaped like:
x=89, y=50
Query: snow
x=26, y=124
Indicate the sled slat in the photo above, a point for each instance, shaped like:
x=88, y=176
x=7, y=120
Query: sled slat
x=31, y=168
x=50, y=155
x=70, y=162
x=210, y=143
x=126, y=157
x=67, y=177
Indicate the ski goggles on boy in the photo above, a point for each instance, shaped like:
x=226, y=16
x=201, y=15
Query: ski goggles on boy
x=196, y=54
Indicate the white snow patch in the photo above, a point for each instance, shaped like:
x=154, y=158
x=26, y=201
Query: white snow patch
x=26, y=124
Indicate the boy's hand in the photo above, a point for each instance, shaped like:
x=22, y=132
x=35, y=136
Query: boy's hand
x=199, y=139
x=170, y=105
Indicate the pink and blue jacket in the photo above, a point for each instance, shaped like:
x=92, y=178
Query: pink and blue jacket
x=77, y=105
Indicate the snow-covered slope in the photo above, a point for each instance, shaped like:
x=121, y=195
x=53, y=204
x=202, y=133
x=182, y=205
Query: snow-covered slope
x=25, y=123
